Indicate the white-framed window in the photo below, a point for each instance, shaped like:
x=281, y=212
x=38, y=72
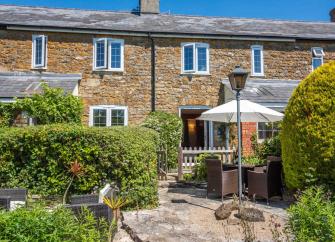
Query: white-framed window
x=317, y=57
x=39, y=51
x=257, y=60
x=108, y=115
x=195, y=58
x=267, y=130
x=108, y=54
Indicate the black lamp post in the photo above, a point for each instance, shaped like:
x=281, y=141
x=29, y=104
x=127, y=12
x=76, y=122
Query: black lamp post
x=237, y=81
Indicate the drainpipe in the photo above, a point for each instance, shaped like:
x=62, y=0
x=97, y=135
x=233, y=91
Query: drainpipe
x=153, y=73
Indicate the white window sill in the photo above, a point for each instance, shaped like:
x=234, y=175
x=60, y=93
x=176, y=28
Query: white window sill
x=257, y=75
x=194, y=74
x=39, y=68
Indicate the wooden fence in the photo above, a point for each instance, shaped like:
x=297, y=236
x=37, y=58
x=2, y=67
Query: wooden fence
x=187, y=157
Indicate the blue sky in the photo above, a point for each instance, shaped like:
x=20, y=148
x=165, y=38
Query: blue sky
x=315, y=10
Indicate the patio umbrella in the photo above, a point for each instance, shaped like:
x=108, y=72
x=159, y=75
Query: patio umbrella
x=250, y=112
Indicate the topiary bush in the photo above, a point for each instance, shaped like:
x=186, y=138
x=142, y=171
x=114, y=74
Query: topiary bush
x=312, y=218
x=170, y=128
x=39, y=224
x=7, y=114
x=39, y=159
x=308, y=131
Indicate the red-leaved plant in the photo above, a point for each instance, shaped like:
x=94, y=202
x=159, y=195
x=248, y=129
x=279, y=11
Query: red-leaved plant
x=76, y=170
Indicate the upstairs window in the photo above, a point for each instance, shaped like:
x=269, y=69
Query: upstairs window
x=39, y=51
x=108, y=115
x=108, y=54
x=257, y=62
x=317, y=57
x=195, y=58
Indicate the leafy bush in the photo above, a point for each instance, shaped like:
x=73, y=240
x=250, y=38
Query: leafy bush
x=308, y=130
x=313, y=217
x=39, y=224
x=170, y=128
x=200, y=169
x=38, y=158
x=252, y=160
x=270, y=147
x=7, y=114
x=52, y=106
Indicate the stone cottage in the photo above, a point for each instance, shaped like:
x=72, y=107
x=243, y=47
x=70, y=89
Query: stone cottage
x=126, y=64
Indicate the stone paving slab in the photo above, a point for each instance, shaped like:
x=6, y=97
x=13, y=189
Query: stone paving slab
x=184, y=214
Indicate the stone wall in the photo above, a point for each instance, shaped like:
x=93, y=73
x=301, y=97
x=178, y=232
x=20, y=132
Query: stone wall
x=72, y=53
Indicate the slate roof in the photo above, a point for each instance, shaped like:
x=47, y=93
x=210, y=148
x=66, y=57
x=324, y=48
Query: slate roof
x=11, y=15
x=270, y=93
x=22, y=84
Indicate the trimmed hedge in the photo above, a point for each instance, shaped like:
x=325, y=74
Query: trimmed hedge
x=38, y=158
x=308, y=131
x=170, y=128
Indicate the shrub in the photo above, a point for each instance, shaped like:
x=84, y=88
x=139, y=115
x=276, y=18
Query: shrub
x=308, y=131
x=253, y=160
x=52, y=106
x=38, y=224
x=200, y=169
x=270, y=147
x=313, y=217
x=38, y=158
x=170, y=129
x=7, y=114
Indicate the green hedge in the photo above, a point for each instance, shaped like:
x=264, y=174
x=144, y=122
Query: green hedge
x=38, y=158
x=7, y=114
x=170, y=128
x=39, y=224
x=308, y=131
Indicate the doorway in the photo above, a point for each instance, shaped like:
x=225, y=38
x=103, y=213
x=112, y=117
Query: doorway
x=196, y=132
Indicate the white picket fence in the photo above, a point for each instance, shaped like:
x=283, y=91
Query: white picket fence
x=188, y=157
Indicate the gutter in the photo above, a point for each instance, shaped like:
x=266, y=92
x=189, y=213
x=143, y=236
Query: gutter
x=153, y=73
x=145, y=34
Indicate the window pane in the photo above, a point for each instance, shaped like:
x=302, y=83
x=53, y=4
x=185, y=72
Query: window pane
x=99, y=117
x=117, y=117
x=38, y=50
x=267, y=130
x=202, y=59
x=257, y=61
x=188, y=58
x=317, y=62
x=116, y=55
x=100, y=54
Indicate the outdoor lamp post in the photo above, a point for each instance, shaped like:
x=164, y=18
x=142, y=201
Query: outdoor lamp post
x=237, y=81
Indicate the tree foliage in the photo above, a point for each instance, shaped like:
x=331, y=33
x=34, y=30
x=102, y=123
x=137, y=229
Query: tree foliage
x=308, y=131
x=170, y=129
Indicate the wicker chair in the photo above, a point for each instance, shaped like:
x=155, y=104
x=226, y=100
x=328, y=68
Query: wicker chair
x=84, y=199
x=99, y=210
x=5, y=202
x=267, y=183
x=220, y=182
x=10, y=196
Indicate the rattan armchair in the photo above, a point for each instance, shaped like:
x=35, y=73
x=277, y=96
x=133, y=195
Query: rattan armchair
x=220, y=182
x=99, y=210
x=267, y=183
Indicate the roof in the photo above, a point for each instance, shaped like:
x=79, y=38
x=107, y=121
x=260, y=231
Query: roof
x=23, y=84
x=11, y=15
x=270, y=93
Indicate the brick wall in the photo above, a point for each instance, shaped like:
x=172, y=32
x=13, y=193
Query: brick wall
x=248, y=129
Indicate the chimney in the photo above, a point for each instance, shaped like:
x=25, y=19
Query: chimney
x=149, y=6
x=332, y=15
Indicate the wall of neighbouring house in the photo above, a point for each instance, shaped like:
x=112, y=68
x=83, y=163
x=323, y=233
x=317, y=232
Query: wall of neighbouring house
x=72, y=53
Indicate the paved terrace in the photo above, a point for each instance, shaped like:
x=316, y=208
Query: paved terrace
x=184, y=214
